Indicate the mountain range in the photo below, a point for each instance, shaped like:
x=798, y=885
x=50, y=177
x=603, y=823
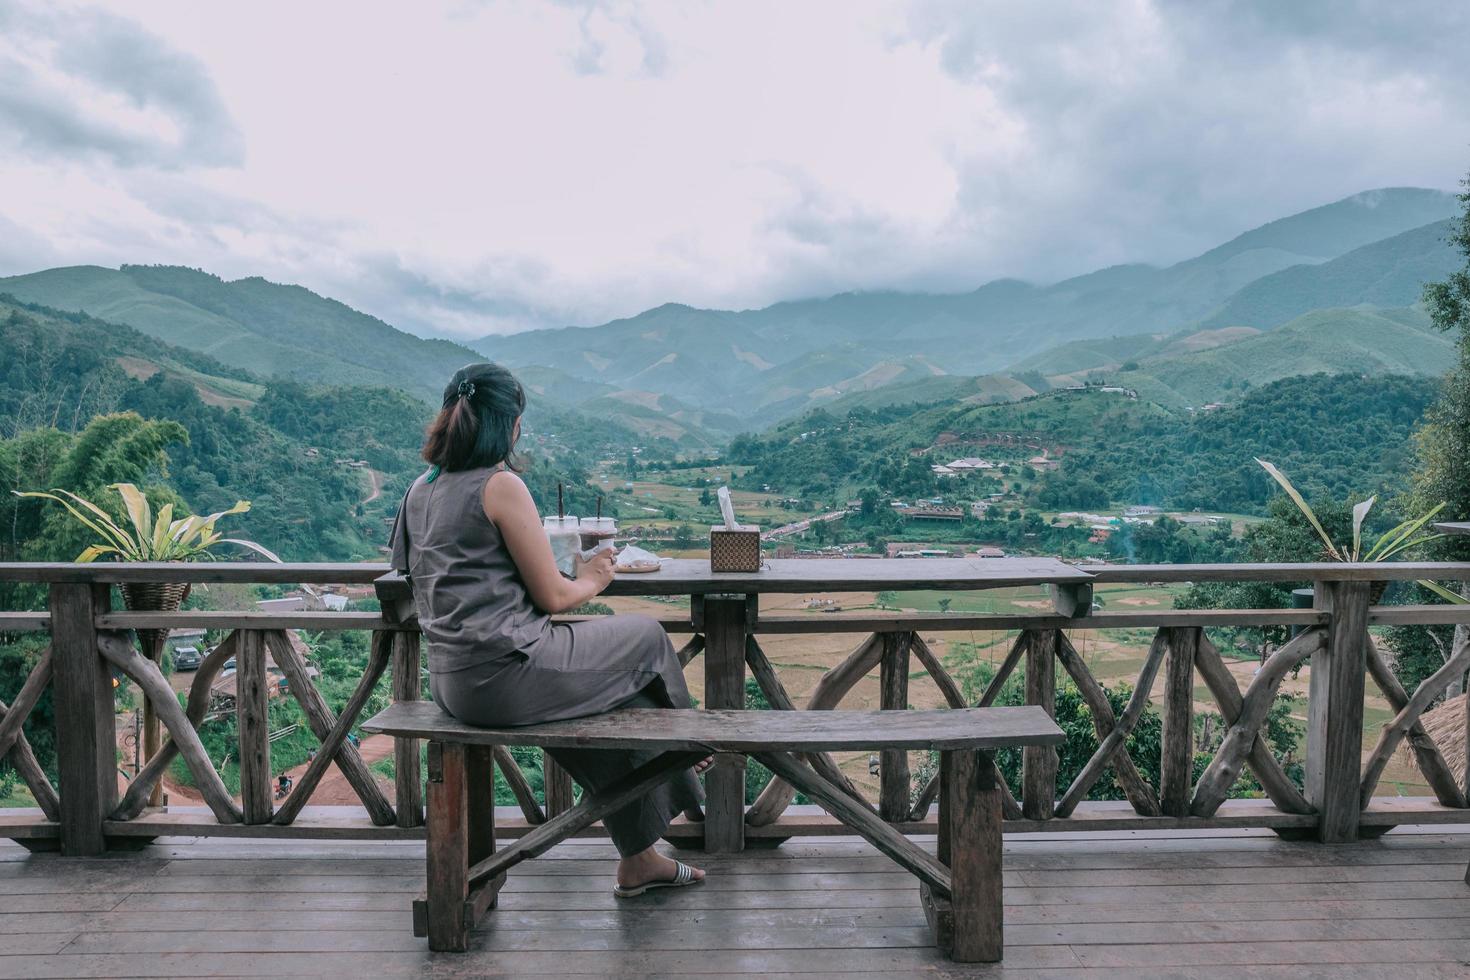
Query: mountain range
x=1374, y=249
x=1332, y=288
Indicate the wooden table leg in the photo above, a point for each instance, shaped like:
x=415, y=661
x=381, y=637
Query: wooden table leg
x=969, y=926
x=440, y=914
x=461, y=818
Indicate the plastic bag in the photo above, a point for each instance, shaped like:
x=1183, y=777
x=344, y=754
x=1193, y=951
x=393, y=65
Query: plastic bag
x=635, y=559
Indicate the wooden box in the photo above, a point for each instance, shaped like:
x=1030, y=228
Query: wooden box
x=734, y=551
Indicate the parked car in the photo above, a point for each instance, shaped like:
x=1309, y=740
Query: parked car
x=187, y=658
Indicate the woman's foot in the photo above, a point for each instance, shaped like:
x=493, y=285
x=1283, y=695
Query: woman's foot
x=649, y=868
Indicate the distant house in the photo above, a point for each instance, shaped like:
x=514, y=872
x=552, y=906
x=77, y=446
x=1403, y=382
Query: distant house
x=979, y=507
x=971, y=463
x=990, y=551
x=942, y=470
x=291, y=603
x=335, y=603
x=1043, y=463
x=1141, y=510
x=933, y=512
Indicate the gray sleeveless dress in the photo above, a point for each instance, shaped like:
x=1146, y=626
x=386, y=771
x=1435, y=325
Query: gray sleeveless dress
x=495, y=659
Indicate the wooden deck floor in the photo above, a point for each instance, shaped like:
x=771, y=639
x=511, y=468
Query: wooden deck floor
x=1225, y=904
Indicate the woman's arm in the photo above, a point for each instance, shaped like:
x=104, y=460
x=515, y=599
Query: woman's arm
x=508, y=503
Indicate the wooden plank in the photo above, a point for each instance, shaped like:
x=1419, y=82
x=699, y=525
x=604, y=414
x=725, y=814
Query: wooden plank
x=724, y=688
x=957, y=622
x=211, y=619
x=334, y=743
x=408, y=790
x=24, y=622
x=1431, y=762
x=1072, y=599
x=769, y=805
x=1039, y=760
x=592, y=807
x=480, y=816
x=1217, y=677
x=253, y=724
x=150, y=680
x=284, y=573
x=1176, y=762
x=1282, y=572
x=1335, y=711
x=1215, y=782
x=140, y=790
x=955, y=698
x=688, y=575
x=705, y=730
x=788, y=624
x=556, y=784
x=519, y=787
x=82, y=700
x=684, y=576
x=1134, y=786
x=447, y=852
x=322, y=722
x=14, y=744
x=893, y=687
x=974, y=825
x=1115, y=742
x=862, y=820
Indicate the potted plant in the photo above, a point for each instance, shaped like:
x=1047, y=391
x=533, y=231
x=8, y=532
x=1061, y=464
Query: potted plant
x=146, y=537
x=1390, y=544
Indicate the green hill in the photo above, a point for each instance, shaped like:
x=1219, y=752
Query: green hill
x=268, y=329
x=1391, y=272
x=1334, y=434
x=1368, y=343
x=296, y=451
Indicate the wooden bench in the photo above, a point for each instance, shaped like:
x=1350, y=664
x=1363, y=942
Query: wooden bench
x=960, y=891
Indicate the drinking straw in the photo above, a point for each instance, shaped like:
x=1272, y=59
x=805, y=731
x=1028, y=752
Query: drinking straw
x=561, y=510
x=599, y=507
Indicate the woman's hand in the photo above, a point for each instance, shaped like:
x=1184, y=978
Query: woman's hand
x=597, y=569
x=508, y=504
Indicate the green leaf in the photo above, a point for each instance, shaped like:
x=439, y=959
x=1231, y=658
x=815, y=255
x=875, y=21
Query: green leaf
x=1360, y=514
x=1303, y=506
x=137, y=506
x=270, y=555
x=1453, y=598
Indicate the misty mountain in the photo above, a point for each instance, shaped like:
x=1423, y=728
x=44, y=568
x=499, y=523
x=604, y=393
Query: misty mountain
x=769, y=363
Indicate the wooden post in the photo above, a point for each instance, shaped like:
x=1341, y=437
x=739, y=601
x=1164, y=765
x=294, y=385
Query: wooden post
x=558, y=785
x=893, y=794
x=725, y=630
x=1039, y=762
x=447, y=853
x=252, y=696
x=152, y=728
x=86, y=743
x=1335, y=711
x=969, y=925
x=408, y=792
x=1176, y=762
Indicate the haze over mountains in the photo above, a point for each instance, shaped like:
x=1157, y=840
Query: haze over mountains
x=1326, y=289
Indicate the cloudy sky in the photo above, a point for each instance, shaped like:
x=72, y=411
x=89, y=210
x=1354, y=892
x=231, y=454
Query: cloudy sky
x=474, y=167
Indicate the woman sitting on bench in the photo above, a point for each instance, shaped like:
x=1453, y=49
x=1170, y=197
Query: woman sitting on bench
x=484, y=585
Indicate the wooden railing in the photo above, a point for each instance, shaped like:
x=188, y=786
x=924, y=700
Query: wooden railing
x=88, y=641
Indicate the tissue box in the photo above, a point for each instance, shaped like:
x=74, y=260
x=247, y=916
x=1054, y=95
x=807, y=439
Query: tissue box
x=734, y=551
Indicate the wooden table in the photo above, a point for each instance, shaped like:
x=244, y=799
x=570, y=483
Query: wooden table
x=961, y=891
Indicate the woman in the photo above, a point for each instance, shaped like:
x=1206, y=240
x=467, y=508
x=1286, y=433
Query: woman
x=484, y=584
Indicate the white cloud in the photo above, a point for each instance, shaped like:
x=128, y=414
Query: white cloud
x=477, y=167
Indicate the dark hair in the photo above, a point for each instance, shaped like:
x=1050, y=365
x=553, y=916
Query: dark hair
x=476, y=426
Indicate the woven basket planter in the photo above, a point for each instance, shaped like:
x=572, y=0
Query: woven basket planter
x=153, y=597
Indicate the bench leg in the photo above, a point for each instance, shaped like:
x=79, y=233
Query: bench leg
x=461, y=831
x=969, y=925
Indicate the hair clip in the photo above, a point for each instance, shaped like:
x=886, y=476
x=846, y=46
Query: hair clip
x=466, y=389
